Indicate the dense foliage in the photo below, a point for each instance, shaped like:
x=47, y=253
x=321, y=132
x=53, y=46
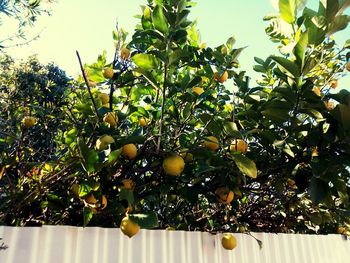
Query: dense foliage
x=173, y=134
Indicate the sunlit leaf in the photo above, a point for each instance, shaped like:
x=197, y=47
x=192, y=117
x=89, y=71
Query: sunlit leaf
x=145, y=61
x=245, y=165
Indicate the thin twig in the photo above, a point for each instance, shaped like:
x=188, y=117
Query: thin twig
x=87, y=84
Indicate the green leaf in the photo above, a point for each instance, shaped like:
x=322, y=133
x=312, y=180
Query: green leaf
x=300, y=48
x=331, y=9
x=130, y=139
x=89, y=157
x=287, y=10
x=87, y=215
x=245, y=165
x=342, y=114
x=113, y=157
x=145, y=61
x=343, y=97
x=230, y=42
x=84, y=188
x=70, y=136
x=347, y=44
x=159, y=20
x=318, y=190
x=146, y=19
x=147, y=220
x=288, y=65
x=231, y=129
x=338, y=23
x=276, y=115
x=126, y=194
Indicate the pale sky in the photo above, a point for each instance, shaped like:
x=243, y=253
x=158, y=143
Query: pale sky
x=87, y=25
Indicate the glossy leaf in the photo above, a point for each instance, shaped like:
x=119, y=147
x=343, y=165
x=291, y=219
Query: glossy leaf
x=245, y=165
x=287, y=10
x=145, y=61
x=159, y=20
x=288, y=65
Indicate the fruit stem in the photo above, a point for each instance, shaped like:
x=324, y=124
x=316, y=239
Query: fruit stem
x=87, y=84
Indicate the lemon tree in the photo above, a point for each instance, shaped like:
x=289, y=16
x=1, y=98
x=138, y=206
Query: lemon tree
x=173, y=134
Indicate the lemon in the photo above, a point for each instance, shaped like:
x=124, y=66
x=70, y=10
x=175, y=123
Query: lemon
x=29, y=121
x=341, y=230
x=197, y=90
x=129, y=151
x=128, y=184
x=128, y=227
x=174, y=165
x=143, y=122
x=333, y=83
x=104, y=97
x=111, y=118
x=224, y=195
x=317, y=91
x=228, y=241
x=211, y=143
x=239, y=145
x=103, y=142
x=124, y=53
x=347, y=66
x=90, y=199
x=92, y=83
x=104, y=202
x=108, y=73
x=221, y=78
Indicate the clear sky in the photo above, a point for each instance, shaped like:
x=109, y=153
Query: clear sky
x=87, y=25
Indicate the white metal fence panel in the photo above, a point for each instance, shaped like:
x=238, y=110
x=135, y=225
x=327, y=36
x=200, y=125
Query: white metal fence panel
x=65, y=244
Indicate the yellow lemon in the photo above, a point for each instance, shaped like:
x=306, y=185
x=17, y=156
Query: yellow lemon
x=108, y=73
x=333, y=83
x=211, y=143
x=111, y=118
x=174, y=165
x=103, y=142
x=128, y=227
x=228, y=241
x=197, y=90
x=317, y=91
x=90, y=199
x=224, y=195
x=104, y=202
x=128, y=184
x=124, y=53
x=29, y=121
x=92, y=83
x=143, y=122
x=129, y=151
x=221, y=78
x=341, y=230
x=239, y=145
x=104, y=97
x=347, y=66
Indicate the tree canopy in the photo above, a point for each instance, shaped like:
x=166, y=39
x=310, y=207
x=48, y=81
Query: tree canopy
x=174, y=135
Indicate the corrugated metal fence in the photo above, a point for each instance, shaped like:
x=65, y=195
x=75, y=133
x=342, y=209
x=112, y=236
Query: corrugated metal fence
x=65, y=244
